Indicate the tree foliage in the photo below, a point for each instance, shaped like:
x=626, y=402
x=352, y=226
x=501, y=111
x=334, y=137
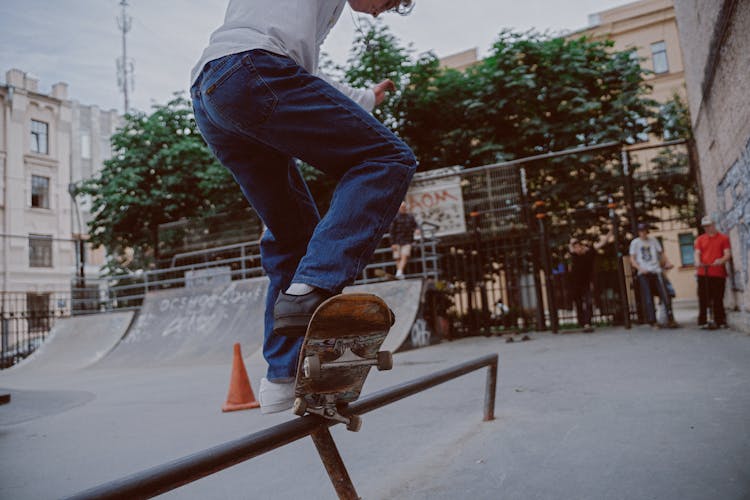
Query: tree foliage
x=161, y=171
x=534, y=93
x=672, y=182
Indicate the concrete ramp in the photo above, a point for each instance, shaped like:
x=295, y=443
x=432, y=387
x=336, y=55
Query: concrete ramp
x=77, y=342
x=403, y=297
x=200, y=325
x=195, y=325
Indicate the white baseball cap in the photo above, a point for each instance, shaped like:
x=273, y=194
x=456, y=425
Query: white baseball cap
x=707, y=221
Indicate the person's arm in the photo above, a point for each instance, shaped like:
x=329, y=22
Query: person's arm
x=604, y=240
x=726, y=255
x=633, y=262
x=664, y=261
x=363, y=97
x=367, y=98
x=415, y=226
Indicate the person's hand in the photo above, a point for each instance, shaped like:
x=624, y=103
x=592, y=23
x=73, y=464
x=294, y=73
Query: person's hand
x=394, y=248
x=381, y=89
x=717, y=262
x=668, y=266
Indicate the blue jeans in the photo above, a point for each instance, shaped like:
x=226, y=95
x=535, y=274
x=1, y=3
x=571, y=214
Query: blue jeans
x=650, y=283
x=259, y=111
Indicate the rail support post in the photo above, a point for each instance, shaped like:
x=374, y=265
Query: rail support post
x=333, y=463
x=489, y=392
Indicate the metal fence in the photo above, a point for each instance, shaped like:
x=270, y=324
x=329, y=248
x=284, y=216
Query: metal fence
x=502, y=267
x=26, y=319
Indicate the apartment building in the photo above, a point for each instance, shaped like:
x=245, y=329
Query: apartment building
x=36, y=253
x=92, y=130
x=649, y=27
x=47, y=142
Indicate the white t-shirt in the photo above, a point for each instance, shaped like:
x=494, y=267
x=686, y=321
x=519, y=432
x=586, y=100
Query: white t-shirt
x=646, y=253
x=294, y=28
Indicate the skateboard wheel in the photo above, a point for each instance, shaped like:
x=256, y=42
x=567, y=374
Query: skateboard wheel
x=311, y=367
x=355, y=423
x=300, y=406
x=385, y=360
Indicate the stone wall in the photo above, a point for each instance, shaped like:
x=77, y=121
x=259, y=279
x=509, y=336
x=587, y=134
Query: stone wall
x=716, y=51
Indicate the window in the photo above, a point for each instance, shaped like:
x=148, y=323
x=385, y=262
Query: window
x=39, y=191
x=687, y=255
x=39, y=140
x=659, y=56
x=40, y=250
x=85, y=146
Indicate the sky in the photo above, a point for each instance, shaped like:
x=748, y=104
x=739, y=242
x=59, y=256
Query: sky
x=78, y=41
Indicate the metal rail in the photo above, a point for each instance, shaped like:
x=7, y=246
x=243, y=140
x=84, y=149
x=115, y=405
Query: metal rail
x=521, y=161
x=166, y=477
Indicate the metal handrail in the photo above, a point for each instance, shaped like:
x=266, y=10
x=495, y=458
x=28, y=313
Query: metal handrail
x=171, y=475
x=207, y=251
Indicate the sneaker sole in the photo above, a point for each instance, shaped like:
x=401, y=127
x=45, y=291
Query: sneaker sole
x=291, y=326
x=276, y=408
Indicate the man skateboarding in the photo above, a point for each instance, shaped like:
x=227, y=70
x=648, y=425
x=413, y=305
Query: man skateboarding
x=260, y=103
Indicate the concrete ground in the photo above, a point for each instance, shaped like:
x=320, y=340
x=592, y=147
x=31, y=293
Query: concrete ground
x=637, y=414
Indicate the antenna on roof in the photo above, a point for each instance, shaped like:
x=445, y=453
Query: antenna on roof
x=125, y=66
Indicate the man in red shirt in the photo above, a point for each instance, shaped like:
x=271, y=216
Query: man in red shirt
x=712, y=251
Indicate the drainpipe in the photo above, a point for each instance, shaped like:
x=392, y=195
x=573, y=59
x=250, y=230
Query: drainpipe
x=6, y=212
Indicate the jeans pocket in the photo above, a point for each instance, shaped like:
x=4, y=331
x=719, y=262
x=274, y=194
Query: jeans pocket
x=238, y=94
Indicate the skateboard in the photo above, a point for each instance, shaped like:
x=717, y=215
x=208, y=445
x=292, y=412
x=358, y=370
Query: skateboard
x=341, y=345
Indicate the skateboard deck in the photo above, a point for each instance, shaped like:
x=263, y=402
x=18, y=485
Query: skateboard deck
x=341, y=345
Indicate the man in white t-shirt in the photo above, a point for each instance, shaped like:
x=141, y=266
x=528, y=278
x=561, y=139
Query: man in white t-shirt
x=260, y=103
x=648, y=259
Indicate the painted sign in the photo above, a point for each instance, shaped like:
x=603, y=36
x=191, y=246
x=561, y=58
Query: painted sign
x=438, y=201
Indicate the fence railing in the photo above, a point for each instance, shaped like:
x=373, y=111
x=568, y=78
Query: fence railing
x=160, y=479
x=26, y=319
x=493, y=278
x=227, y=263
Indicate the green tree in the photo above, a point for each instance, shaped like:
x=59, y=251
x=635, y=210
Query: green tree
x=161, y=171
x=672, y=181
x=376, y=55
x=533, y=94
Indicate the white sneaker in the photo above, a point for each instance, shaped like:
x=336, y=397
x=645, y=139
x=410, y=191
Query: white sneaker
x=276, y=396
x=399, y=275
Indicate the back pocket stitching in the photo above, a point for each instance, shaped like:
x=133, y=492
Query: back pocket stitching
x=253, y=71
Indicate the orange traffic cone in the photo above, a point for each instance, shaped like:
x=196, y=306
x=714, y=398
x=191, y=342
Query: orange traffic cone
x=240, y=395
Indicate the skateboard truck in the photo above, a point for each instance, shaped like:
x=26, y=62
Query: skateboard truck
x=312, y=366
x=328, y=411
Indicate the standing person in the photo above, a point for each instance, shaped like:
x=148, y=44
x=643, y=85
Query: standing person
x=402, y=238
x=712, y=251
x=582, y=259
x=260, y=103
x=648, y=259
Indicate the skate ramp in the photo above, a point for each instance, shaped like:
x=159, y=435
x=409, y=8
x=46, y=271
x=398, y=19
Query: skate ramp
x=403, y=297
x=197, y=325
x=77, y=342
